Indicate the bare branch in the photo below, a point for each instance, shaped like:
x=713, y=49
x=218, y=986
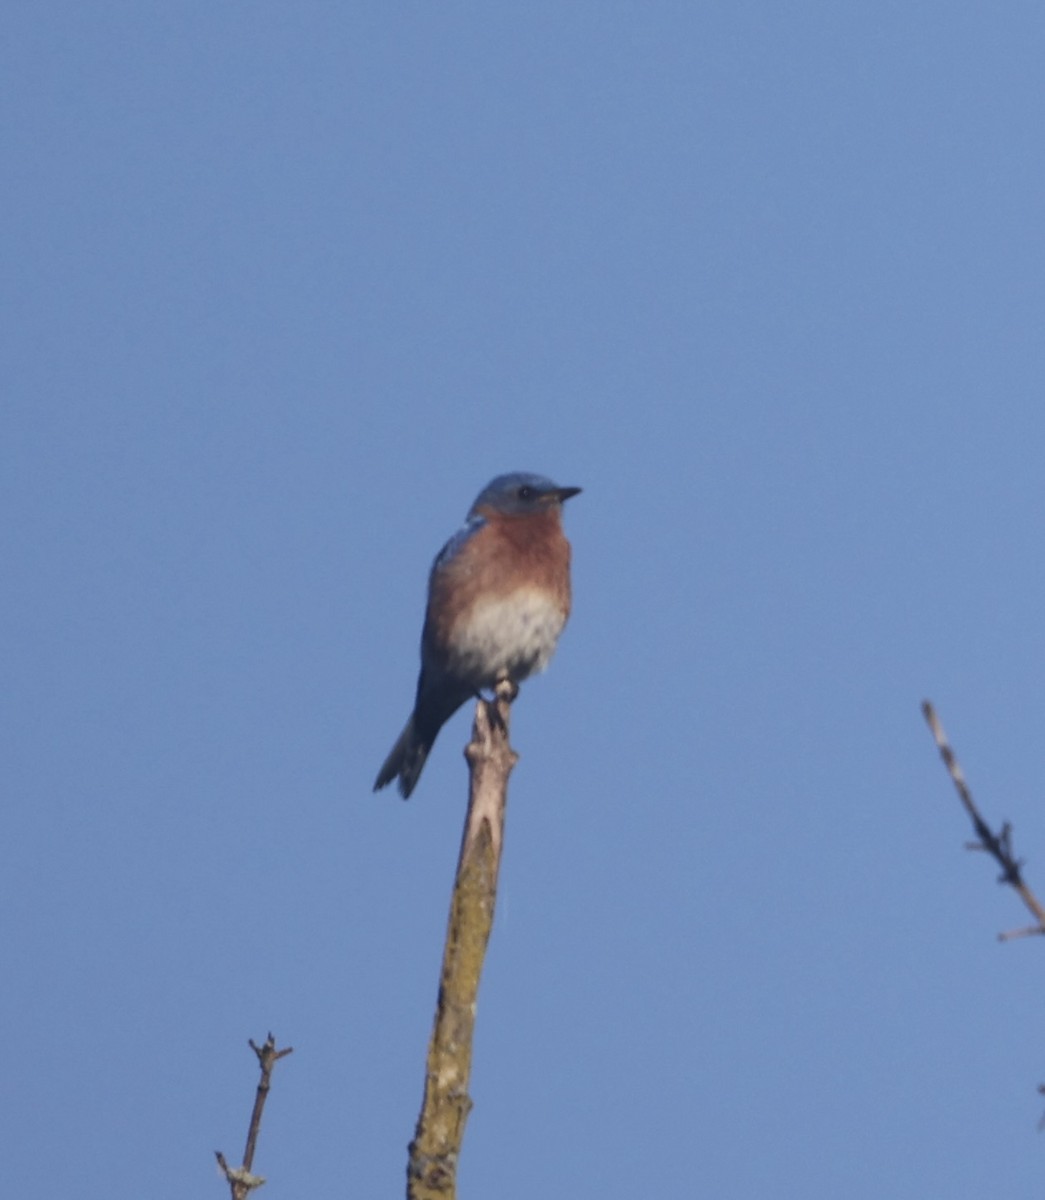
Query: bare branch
x=241, y=1181
x=435, y=1150
x=998, y=845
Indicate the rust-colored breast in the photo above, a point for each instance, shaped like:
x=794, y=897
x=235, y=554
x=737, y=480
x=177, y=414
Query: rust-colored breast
x=507, y=554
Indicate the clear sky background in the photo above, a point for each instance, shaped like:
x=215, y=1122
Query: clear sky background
x=284, y=286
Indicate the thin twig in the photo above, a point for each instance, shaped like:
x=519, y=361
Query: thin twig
x=435, y=1150
x=241, y=1180
x=998, y=845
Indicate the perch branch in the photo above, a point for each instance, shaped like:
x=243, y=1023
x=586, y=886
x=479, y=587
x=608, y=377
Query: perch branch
x=435, y=1150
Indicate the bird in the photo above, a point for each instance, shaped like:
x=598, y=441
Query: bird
x=498, y=599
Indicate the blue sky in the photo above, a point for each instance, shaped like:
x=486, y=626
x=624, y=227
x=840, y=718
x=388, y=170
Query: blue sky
x=284, y=287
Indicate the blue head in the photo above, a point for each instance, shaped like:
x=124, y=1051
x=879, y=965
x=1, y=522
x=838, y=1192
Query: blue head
x=521, y=494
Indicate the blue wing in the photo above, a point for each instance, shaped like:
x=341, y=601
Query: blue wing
x=453, y=547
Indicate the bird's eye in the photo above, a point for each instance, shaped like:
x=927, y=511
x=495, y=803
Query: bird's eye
x=526, y=492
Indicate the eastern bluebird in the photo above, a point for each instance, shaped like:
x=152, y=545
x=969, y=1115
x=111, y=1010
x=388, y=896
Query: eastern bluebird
x=498, y=598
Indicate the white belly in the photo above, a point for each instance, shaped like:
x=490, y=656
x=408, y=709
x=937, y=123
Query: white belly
x=515, y=635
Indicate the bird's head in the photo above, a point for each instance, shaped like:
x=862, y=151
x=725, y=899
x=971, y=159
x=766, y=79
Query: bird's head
x=520, y=494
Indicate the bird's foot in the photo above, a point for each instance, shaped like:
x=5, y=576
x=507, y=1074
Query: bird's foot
x=505, y=689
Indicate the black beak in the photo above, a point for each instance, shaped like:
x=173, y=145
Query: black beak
x=561, y=494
